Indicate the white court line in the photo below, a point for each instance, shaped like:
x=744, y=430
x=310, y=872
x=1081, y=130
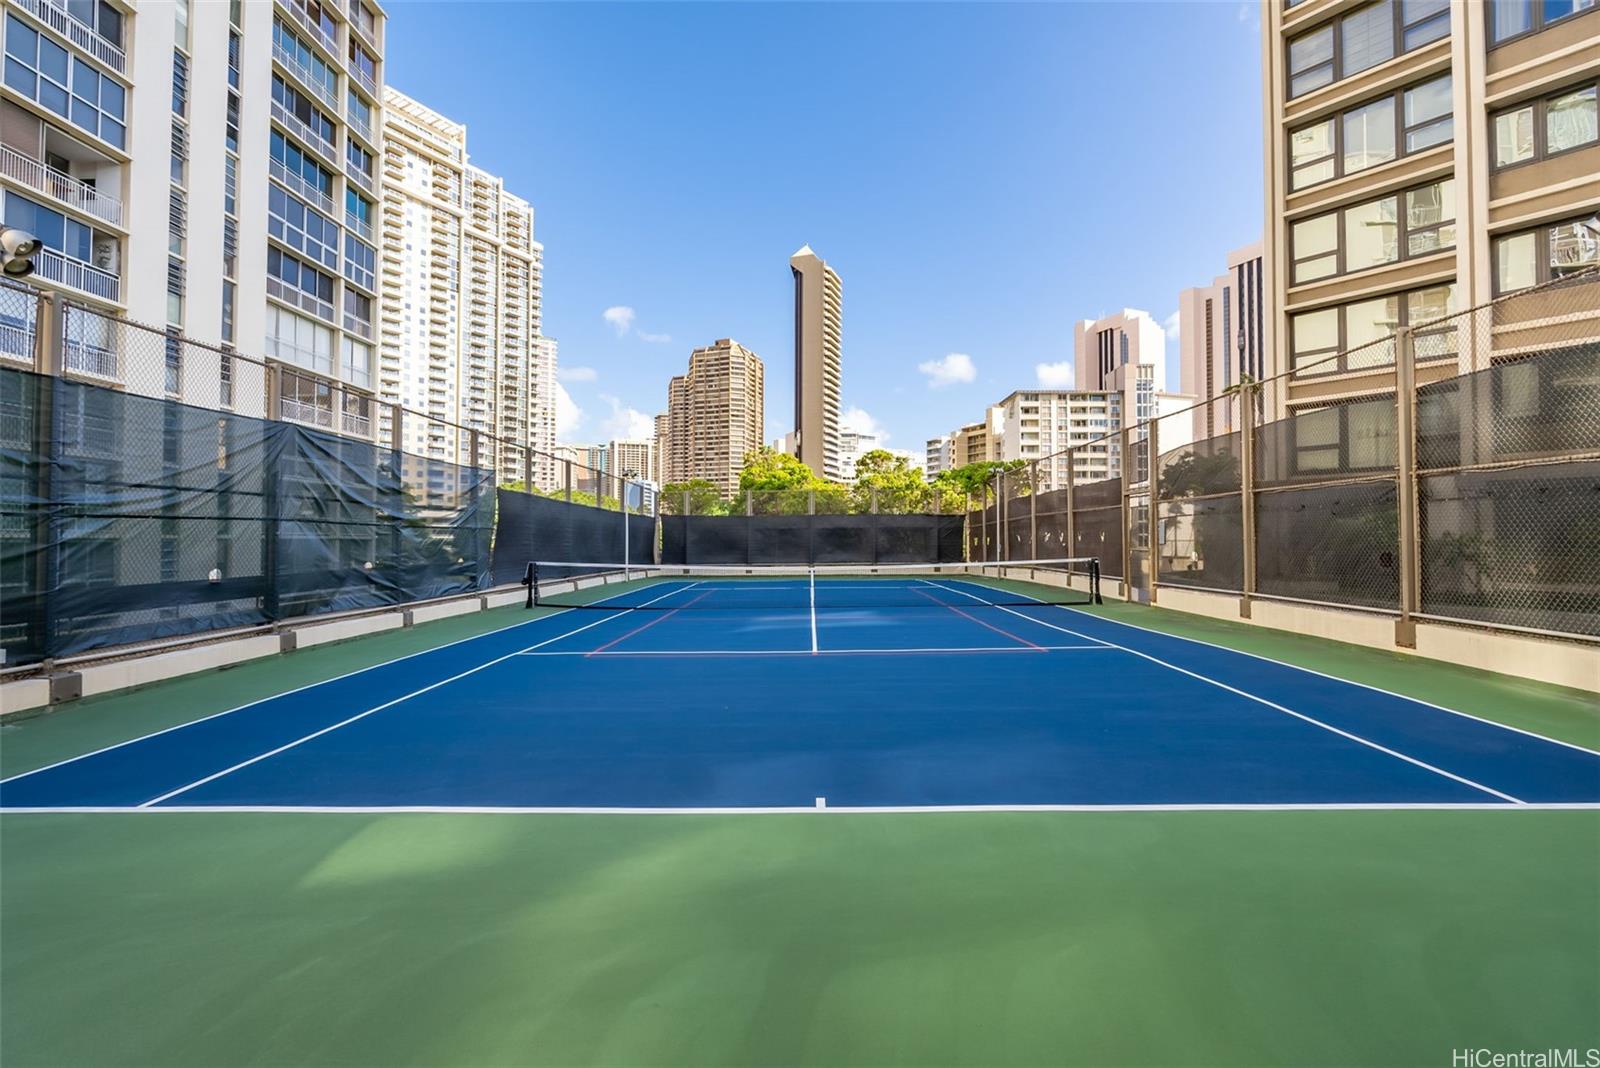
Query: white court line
x=297, y=689
x=1098, y=647
x=1270, y=704
x=812, y=575
x=1325, y=675
x=387, y=704
x=812, y=809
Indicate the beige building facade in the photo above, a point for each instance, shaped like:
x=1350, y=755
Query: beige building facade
x=1220, y=341
x=715, y=415
x=818, y=319
x=1423, y=157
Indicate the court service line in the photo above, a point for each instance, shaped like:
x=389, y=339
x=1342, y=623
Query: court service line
x=379, y=708
x=975, y=619
x=806, y=810
x=1325, y=675
x=663, y=617
x=1272, y=705
x=298, y=689
x=908, y=651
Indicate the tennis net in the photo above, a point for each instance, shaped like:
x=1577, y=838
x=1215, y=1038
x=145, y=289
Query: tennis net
x=802, y=587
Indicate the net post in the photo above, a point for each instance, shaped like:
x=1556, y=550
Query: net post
x=1405, y=410
x=1094, y=580
x=530, y=579
x=1247, y=503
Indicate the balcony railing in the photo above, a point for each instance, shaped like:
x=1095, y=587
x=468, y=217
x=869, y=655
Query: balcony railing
x=54, y=15
x=363, y=128
x=90, y=359
x=357, y=424
x=299, y=185
x=16, y=341
x=292, y=123
x=290, y=62
x=361, y=229
x=356, y=326
x=300, y=298
x=295, y=411
x=365, y=80
x=63, y=187
x=75, y=274
x=362, y=180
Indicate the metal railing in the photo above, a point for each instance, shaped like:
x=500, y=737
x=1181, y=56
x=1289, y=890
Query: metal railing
x=310, y=26
x=75, y=274
x=58, y=18
x=63, y=187
x=291, y=62
x=299, y=185
x=292, y=123
x=361, y=179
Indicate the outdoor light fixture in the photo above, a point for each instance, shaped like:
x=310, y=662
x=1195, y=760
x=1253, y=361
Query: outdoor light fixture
x=16, y=251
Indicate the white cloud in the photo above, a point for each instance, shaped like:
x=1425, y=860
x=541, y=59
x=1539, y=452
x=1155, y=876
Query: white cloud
x=621, y=317
x=951, y=369
x=862, y=422
x=1170, y=325
x=577, y=374
x=654, y=339
x=1054, y=375
x=627, y=424
x=568, y=415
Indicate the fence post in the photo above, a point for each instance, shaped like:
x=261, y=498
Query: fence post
x=966, y=529
x=1405, y=409
x=1247, y=498
x=49, y=359
x=1129, y=473
x=1152, y=452
x=271, y=493
x=749, y=505
x=569, y=480
x=1033, y=510
x=811, y=502
x=397, y=461
x=685, y=502
x=1072, y=524
x=874, y=500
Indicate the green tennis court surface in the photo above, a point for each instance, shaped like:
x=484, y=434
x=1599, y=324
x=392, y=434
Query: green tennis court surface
x=1257, y=936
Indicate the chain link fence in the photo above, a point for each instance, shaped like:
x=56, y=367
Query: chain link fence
x=1394, y=484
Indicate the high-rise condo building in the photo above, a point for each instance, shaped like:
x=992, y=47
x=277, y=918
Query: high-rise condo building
x=257, y=126
x=853, y=445
x=1423, y=157
x=940, y=455
x=662, y=438
x=462, y=289
x=634, y=460
x=1220, y=330
x=1039, y=425
x=715, y=415
x=818, y=311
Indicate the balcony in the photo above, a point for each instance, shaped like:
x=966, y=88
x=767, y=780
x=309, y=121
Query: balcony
x=63, y=187
x=310, y=27
x=306, y=412
x=365, y=80
x=362, y=180
x=306, y=134
x=300, y=298
x=299, y=185
x=288, y=61
x=54, y=15
x=16, y=340
x=86, y=358
x=358, y=327
x=361, y=229
x=362, y=129
x=75, y=274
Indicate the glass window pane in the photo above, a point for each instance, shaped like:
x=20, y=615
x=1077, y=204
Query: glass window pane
x=1560, y=9
x=1370, y=434
x=1431, y=205
x=53, y=61
x=53, y=97
x=1369, y=330
x=22, y=40
x=1315, y=242
x=1429, y=305
x=1515, y=262
x=1371, y=234
x=1435, y=133
x=1366, y=38
x=1369, y=135
x=1573, y=247
x=112, y=98
x=1570, y=120
x=1311, y=61
x=1513, y=136
x=1311, y=154
x=1315, y=333
x=20, y=77
x=1510, y=17
x=1427, y=101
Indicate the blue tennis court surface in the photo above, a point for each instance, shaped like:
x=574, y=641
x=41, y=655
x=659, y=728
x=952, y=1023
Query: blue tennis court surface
x=785, y=694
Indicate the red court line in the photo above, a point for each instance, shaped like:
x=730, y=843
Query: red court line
x=980, y=622
x=663, y=617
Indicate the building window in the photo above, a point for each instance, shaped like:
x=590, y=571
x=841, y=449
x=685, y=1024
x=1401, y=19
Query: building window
x=360, y=262
x=302, y=228
x=41, y=70
x=307, y=63
x=1513, y=18
x=1417, y=222
x=1359, y=336
x=228, y=295
x=300, y=165
x=358, y=157
x=100, y=17
x=1534, y=257
x=362, y=17
x=233, y=60
x=178, y=169
x=1363, y=39
x=295, y=103
x=230, y=185
x=180, y=23
x=1543, y=128
x=230, y=248
x=299, y=282
x=230, y=138
x=298, y=340
x=53, y=229
x=356, y=360
x=1412, y=120
x=180, y=84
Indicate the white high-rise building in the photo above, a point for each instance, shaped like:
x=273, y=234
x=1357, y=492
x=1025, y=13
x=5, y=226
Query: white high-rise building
x=257, y=127
x=462, y=279
x=1220, y=329
x=1039, y=425
x=940, y=455
x=1126, y=353
x=853, y=445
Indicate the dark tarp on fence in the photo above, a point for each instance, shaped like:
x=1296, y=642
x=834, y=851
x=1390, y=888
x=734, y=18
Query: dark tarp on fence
x=117, y=510
x=812, y=539
x=531, y=527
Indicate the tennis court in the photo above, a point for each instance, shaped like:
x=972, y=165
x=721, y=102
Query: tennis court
x=801, y=688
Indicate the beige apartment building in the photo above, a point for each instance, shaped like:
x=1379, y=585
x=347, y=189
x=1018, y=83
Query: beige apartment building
x=715, y=415
x=1424, y=157
x=818, y=314
x=1220, y=328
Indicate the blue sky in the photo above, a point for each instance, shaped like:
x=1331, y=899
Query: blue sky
x=980, y=175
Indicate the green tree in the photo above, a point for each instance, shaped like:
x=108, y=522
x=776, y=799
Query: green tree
x=899, y=488
x=780, y=484
x=703, y=495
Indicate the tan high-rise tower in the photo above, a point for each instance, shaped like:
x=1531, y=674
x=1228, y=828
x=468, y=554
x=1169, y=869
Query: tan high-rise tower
x=715, y=415
x=818, y=299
